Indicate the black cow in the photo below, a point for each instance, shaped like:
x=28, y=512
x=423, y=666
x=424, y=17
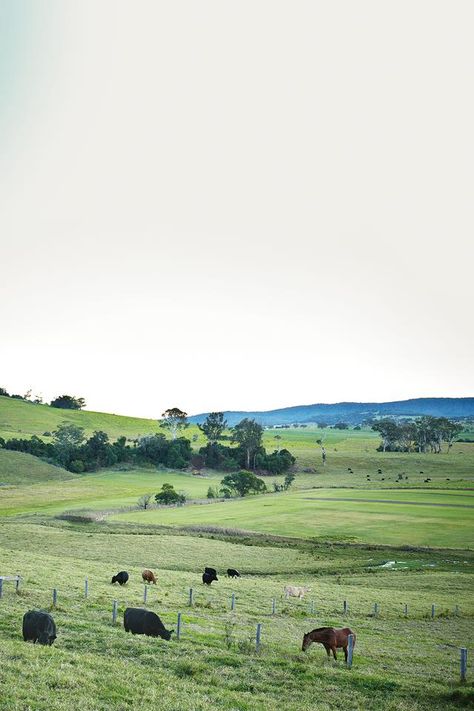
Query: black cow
x=139, y=621
x=38, y=627
x=207, y=578
x=211, y=571
x=233, y=573
x=121, y=578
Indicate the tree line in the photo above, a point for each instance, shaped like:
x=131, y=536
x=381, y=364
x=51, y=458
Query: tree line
x=70, y=448
x=424, y=434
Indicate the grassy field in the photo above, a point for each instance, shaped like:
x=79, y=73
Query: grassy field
x=348, y=537
x=95, y=665
x=443, y=519
x=19, y=418
x=18, y=468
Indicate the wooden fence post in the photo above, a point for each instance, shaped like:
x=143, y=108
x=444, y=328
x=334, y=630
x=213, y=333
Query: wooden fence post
x=114, y=612
x=178, y=627
x=191, y=597
x=456, y=610
x=86, y=587
x=232, y=602
x=17, y=584
x=258, y=636
x=463, y=663
x=376, y=609
x=55, y=597
x=432, y=612
x=1, y=587
x=406, y=610
x=145, y=593
x=273, y=606
x=350, y=650
x=312, y=607
x=345, y=607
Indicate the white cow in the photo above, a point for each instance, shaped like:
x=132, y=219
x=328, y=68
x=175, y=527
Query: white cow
x=294, y=591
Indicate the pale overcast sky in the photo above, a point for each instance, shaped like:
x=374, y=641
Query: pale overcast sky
x=236, y=205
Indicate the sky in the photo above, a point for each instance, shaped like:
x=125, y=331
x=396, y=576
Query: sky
x=218, y=205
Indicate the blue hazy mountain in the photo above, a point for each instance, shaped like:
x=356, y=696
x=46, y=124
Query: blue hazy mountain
x=355, y=412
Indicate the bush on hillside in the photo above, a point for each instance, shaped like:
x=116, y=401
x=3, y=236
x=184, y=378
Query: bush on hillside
x=68, y=402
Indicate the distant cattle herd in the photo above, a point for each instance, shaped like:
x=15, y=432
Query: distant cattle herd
x=39, y=626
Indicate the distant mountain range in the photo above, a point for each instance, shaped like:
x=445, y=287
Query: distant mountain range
x=355, y=412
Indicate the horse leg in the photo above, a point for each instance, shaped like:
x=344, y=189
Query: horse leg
x=345, y=653
x=334, y=653
x=328, y=650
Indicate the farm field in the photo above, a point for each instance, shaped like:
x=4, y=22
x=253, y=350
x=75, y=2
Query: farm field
x=95, y=665
x=439, y=519
x=347, y=531
x=98, y=490
x=23, y=419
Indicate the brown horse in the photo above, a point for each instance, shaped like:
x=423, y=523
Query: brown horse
x=330, y=638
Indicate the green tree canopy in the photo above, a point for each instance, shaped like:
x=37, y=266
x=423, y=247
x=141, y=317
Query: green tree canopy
x=174, y=420
x=168, y=495
x=242, y=483
x=248, y=434
x=68, y=402
x=213, y=426
x=67, y=439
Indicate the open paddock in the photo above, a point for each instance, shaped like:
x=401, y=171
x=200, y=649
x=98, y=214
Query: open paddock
x=95, y=664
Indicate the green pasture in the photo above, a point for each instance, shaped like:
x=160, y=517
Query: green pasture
x=98, y=490
x=400, y=662
x=354, y=449
x=96, y=666
x=19, y=468
x=23, y=419
x=420, y=520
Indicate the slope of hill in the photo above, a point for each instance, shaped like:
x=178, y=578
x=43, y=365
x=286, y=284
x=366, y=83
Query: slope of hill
x=23, y=419
x=355, y=412
x=20, y=468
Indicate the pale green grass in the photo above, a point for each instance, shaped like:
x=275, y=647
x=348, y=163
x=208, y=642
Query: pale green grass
x=23, y=419
x=98, y=667
x=304, y=514
x=19, y=468
x=99, y=490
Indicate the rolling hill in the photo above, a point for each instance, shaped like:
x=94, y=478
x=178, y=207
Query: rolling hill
x=19, y=418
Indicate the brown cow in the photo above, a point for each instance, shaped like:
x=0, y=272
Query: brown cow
x=330, y=638
x=148, y=577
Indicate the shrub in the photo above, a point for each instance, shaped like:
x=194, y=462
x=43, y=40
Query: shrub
x=168, y=495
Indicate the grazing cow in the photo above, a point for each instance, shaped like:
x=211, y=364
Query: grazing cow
x=38, y=626
x=211, y=571
x=330, y=638
x=233, y=573
x=294, y=591
x=207, y=578
x=148, y=577
x=121, y=578
x=139, y=621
